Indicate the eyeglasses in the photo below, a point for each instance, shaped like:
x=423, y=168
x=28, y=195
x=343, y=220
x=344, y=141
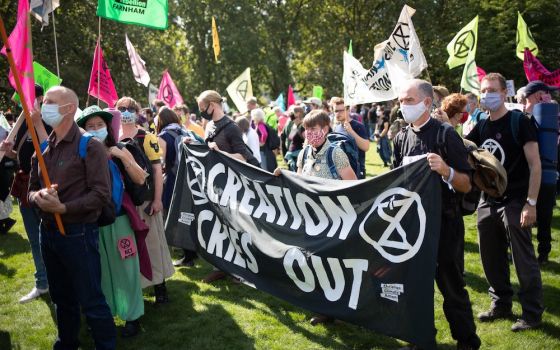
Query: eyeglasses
x=123, y=109
x=339, y=110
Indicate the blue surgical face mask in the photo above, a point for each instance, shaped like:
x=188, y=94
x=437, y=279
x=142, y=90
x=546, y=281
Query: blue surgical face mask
x=50, y=113
x=100, y=134
x=491, y=101
x=469, y=109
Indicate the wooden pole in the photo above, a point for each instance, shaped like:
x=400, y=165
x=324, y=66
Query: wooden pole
x=28, y=119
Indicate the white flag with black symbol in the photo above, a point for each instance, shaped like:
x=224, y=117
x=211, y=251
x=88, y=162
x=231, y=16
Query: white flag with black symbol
x=240, y=90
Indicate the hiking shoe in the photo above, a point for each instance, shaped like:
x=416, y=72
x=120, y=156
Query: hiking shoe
x=161, y=293
x=214, y=276
x=494, y=314
x=523, y=325
x=34, y=294
x=321, y=319
x=6, y=225
x=131, y=328
x=183, y=262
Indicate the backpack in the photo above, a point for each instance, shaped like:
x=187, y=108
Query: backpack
x=138, y=193
x=273, y=140
x=348, y=145
x=489, y=175
x=178, y=134
x=109, y=212
x=134, y=146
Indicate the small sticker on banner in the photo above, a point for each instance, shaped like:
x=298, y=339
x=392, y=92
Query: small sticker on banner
x=126, y=246
x=391, y=291
x=186, y=218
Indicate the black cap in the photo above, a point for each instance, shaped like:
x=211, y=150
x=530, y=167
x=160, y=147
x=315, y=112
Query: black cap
x=38, y=90
x=537, y=85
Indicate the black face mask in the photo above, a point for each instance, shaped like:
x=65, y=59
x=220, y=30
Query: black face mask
x=292, y=116
x=206, y=115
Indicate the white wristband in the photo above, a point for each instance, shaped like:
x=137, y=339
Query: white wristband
x=449, y=180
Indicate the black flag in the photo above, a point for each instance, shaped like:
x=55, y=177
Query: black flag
x=360, y=251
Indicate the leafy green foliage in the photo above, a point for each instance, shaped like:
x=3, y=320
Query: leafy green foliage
x=298, y=42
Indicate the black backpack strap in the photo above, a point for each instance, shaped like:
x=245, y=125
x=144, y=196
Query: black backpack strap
x=441, y=140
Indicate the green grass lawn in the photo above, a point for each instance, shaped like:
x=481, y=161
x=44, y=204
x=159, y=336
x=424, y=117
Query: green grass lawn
x=230, y=316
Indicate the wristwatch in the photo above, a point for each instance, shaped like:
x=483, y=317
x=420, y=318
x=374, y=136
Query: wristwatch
x=531, y=202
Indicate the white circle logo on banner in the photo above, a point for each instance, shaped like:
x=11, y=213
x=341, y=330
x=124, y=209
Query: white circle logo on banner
x=401, y=202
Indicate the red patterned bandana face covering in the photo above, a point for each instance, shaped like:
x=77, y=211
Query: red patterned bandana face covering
x=315, y=138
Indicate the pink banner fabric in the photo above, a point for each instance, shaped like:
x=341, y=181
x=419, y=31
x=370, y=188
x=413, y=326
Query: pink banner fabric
x=20, y=44
x=534, y=70
x=291, y=97
x=101, y=84
x=168, y=92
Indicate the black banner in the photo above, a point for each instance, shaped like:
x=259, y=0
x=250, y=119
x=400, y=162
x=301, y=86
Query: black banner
x=360, y=251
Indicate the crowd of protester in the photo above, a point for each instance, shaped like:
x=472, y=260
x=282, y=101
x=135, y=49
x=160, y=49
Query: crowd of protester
x=115, y=171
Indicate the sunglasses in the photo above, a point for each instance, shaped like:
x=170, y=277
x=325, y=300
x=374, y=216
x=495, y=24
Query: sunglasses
x=124, y=109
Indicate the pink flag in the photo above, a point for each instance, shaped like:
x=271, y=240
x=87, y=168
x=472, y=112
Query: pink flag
x=20, y=43
x=481, y=73
x=100, y=82
x=534, y=70
x=168, y=91
x=291, y=97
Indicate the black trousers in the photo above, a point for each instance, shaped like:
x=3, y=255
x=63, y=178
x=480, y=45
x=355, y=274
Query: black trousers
x=545, y=205
x=499, y=227
x=449, y=278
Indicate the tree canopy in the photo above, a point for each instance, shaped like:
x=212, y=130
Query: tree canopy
x=297, y=42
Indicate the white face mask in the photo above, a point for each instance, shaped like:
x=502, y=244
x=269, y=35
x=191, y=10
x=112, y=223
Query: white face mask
x=412, y=113
x=50, y=113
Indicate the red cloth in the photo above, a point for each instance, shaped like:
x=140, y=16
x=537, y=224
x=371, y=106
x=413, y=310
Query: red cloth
x=140, y=232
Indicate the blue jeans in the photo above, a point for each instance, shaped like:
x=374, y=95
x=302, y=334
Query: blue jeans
x=74, y=275
x=31, y=222
x=384, y=150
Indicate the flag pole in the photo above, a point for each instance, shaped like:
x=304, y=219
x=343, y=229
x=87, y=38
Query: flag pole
x=30, y=127
x=98, y=61
x=55, y=43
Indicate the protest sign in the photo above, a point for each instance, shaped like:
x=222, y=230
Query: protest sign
x=168, y=92
x=101, y=84
x=138, y=65
x=397, y=59
x=148, y=13
x=470, y=79
x=462, y=44
x=535, y=70
x=360, y=251
x=43, y=77
x=524, y=39
x=240, y=90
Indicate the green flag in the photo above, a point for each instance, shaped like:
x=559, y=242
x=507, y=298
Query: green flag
x=318, y=92
x=43, y=77
x=469, y=81
x=524, y=39
x=148, y=13
x=463, y=43
x=350, y=48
